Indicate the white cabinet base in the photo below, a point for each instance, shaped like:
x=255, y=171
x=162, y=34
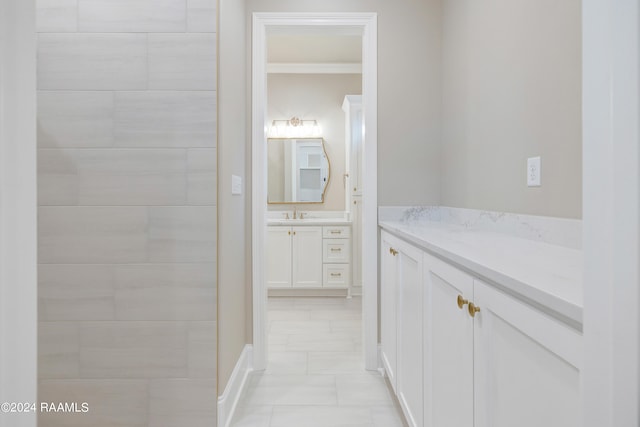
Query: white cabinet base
x=527, y=365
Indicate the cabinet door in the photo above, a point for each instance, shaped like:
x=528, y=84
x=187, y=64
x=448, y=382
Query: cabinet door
x=388, y=301
x=527, y=371
x=356, y=244
x=410, y=334
x=307, y=257
x=278, y=257
x=448, y=361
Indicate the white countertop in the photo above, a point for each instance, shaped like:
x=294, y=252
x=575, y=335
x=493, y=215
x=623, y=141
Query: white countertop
x=308, y=221
x=545, y=274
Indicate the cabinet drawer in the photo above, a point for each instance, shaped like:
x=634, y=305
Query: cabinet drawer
x=336, y=250
x=337, y=232
x=336, y=275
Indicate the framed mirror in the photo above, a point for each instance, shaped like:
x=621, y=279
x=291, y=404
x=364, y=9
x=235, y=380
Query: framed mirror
x=298, y=170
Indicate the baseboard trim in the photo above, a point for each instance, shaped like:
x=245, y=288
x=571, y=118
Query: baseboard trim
x=228, y=401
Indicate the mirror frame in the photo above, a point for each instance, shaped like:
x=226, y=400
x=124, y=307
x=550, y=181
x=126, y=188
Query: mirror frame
x=324, y=192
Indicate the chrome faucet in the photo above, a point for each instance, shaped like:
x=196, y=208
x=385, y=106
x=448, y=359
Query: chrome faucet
x=295, y=212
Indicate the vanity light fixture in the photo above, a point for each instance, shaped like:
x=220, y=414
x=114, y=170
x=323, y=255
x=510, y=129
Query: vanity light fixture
x=294, y=128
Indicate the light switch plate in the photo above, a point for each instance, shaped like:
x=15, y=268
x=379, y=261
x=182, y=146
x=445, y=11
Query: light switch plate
x=533, y=171
x=236, y=185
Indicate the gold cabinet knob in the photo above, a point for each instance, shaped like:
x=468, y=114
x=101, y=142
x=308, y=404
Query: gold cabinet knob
x=462, y=302
x=473, y=309
x=289, y=233
x=393, y=252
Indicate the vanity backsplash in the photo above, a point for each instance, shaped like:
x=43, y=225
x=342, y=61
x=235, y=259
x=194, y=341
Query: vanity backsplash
x=558, y=231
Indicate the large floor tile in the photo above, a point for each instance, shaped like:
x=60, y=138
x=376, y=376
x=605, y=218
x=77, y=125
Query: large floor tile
x=252, y=416
x=335, y=362
x=287, y=362
x=318, y=416
x=363, y=389
x=291, y=390
x=323, y=335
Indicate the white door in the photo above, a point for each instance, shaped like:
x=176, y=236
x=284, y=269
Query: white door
x=527, y=371
x=410, y=335
x=448, y=337
x=307, y=257
x=278, y=256
x=388, y=301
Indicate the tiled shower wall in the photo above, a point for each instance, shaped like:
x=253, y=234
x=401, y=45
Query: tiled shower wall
x=127, y=211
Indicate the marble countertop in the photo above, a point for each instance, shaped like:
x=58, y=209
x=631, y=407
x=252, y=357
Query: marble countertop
x=544, y=274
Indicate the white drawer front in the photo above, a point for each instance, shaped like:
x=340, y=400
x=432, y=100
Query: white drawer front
x=336, y=275
x=336, y=250
x=336, y=232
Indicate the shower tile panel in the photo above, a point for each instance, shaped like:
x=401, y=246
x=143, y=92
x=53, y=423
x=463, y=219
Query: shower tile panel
x=202, y=349
x=182, y=61
x=138, y=16
x=201, y=16
x=68, y=292
x=113, y=403
x=56, y=16
x=165, y=119
x=58, y=350
x=182, y=234
x=90, y=235
x=83, y=61
x=182, y=402
x=133, y=349
x=72, y=119
x=165, y=292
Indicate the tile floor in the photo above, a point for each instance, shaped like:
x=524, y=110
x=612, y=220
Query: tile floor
x=315, y=376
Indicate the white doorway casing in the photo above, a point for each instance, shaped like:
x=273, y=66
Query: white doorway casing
x=611, y=212
x=364, y=24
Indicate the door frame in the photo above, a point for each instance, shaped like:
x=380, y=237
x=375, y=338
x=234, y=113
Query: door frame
x=611, y=212
x=366, y=25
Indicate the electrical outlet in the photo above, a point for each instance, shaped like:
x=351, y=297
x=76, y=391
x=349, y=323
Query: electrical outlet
x=533, y=171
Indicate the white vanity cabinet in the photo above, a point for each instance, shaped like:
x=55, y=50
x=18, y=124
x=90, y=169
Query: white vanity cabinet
x=479, y=357
x=294, y=257
x=401, y=307
x=308, y=256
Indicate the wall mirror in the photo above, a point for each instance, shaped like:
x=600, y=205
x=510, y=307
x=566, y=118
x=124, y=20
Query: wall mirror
x=298, y=170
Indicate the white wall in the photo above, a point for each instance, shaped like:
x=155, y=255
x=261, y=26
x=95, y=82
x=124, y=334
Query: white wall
x=320, y=97
x=18, y=287
x=512, y=90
